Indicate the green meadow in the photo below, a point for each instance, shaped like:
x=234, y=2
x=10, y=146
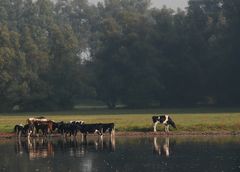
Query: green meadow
x=194, y=119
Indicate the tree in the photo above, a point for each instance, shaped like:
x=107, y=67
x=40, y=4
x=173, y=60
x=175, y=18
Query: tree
x=122, y=59
x=64, y=76
x=12, y=69
x=37, y=62
x=227, y=81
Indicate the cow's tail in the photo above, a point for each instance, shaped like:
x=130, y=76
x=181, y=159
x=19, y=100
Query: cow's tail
x=172, y=123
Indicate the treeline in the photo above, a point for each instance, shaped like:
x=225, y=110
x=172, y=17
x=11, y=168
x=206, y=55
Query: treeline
x=54, y=54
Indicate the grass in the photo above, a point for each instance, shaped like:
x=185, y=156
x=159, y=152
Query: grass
x=195, y=119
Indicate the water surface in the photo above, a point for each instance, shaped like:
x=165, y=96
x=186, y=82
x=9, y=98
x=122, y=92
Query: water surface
x=121, y=154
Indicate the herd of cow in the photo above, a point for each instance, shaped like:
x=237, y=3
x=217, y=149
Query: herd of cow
x=38, y=125
x=41, y=125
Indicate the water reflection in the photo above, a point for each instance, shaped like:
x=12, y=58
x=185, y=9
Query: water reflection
x=161, y=146
x=79, y=147
x=37, y=148
x=132, y=154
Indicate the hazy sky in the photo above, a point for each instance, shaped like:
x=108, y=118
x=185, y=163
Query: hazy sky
x=170, y=3
x=174, y=4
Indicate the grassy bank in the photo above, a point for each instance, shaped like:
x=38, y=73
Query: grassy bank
x=202, y=120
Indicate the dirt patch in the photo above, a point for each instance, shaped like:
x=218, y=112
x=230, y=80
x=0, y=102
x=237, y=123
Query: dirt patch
x=7, y=135
x=150, y=134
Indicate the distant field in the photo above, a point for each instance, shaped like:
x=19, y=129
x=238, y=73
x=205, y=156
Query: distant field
x=199, y=119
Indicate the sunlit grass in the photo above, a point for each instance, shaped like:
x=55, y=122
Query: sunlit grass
x=202, y=120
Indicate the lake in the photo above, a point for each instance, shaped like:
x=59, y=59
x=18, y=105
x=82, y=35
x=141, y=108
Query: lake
x=180, y=153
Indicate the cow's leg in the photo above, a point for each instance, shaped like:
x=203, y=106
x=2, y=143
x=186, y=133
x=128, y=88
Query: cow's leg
x=62, y=132
x=101, y=132
x=33, y=130
x=155, y=126
x=19, y=133
x=29, y=132
x=82, y=137
x=75, y=132
x=98, y=132
x=45, y=132
x=85, y=136
x=166, y=128
x=37, y=131
x=101, y=142
x=113, y=132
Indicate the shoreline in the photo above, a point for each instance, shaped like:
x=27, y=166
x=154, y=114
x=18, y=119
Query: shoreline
x=148, y=134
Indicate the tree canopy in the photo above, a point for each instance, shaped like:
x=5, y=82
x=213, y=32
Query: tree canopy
x=54, y=54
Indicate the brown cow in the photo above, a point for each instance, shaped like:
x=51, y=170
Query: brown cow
x=41, y=121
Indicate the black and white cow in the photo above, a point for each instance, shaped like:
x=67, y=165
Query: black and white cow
x=19, y=129
x=91, y=128
x=71, y=127
x=43, y=127
x=108, y=127
x=26, y=129
x=163, y=119
x=74, y=127
x=99, y=128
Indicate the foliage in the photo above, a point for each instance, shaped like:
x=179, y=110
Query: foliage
x=54, y=54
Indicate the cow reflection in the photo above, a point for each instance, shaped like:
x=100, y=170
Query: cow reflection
x=78, y=148
x=35, y=148
x=40, y=148
x=161, y=147
x=19, y=147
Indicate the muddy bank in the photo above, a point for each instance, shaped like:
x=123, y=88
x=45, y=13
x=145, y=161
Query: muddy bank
x=150, y=134
x=180, y=133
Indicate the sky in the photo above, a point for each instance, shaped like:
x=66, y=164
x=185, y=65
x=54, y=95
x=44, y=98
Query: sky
x=174, y=4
